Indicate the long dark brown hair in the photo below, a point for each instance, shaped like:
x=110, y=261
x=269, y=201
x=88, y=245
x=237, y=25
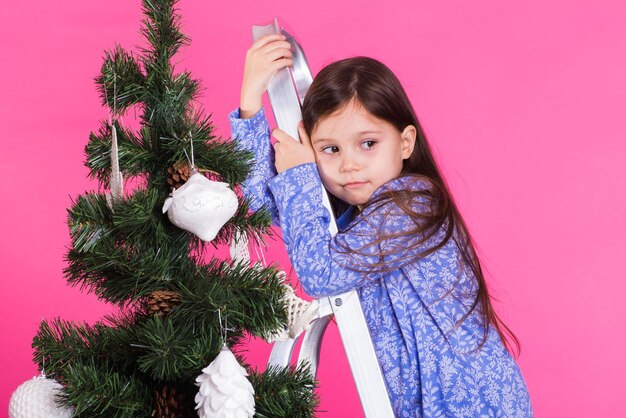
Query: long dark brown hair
x=374, y=86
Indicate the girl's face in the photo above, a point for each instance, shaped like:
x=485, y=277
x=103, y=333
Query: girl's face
x=356, y=152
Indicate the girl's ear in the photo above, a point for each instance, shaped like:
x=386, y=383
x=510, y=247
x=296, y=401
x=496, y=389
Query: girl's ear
x=408, y=137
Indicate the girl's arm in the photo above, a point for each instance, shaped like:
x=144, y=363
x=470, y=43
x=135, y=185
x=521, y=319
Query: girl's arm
x=253, y=135
x=329, y=265
x=248, y=123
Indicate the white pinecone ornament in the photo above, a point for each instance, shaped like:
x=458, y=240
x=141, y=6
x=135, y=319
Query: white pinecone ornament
x=201, y=206
x=225, y=391
x=35, y=398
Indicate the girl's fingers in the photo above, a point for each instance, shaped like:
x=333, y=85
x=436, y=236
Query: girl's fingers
x=275, y=136
x=278, y=54
x=304, y=137
x=274, y=53
x=264, y=40
x=302, y=131
x=283, y=45
x=280, y=135
x=280, y=64
x=283, y=138
x=290, y=153
x=269, y=61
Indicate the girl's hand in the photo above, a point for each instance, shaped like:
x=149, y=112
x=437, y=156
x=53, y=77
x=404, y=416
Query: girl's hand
x=290, y=153
x=264, y=58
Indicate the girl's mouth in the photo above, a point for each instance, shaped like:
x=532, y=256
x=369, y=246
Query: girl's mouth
x=354, y=184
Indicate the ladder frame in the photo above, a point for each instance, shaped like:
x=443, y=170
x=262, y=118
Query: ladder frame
x=286, y=91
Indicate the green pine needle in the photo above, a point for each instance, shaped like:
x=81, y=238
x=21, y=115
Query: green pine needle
x=121, y=81
x=287, y=393
x=94, y=390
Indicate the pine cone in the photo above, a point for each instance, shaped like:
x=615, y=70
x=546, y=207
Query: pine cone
x=178, y=174
x=172, y=403
x=162, y=302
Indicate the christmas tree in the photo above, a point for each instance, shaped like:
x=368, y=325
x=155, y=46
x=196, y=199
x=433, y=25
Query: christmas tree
x=178, y=303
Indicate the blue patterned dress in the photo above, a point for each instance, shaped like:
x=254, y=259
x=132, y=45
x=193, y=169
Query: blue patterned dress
x=431, y=368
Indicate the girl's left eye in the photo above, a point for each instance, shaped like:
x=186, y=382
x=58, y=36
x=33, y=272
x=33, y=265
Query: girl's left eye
x=369, y=144
x=330, y=149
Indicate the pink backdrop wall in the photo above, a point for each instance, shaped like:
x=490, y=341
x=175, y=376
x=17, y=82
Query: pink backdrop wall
x=524, y=105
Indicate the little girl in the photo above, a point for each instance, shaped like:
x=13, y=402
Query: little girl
x=402, y=242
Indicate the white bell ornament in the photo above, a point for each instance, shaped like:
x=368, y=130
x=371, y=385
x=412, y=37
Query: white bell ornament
x=36, y=398
x=225, y=391
x=201, y=206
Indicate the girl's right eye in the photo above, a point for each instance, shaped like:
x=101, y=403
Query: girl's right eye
x=330, y=149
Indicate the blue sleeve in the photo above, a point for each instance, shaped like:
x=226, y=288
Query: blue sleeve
x=328, y=265
x=253, y=135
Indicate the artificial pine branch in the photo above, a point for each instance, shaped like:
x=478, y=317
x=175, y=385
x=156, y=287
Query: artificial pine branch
x=123, y=275
x=136, y=221
x=251, y=298
x=59, y=343
x=167, y=103
x=139, y=219
x=227, y=158
x=161, y=29
x=173, y=351
x=90, y=221
x=134, y=158
x=94, y=390
x=121, y=81
x=285, y=393
x=164, y=349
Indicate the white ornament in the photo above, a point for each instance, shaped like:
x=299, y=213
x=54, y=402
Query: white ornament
x=300, y=314
x=239, y=251
x=201, y=206
x=117, y=179
x=35, y=398
x=225, y=392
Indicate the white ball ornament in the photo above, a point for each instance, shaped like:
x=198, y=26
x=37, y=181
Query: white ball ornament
x=201, y=206
x=224, y=392
x=35, y=398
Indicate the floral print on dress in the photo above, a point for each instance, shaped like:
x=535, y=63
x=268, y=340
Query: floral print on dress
x=431, y=368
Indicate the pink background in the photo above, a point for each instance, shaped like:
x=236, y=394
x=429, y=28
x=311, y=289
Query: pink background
x=524, y=105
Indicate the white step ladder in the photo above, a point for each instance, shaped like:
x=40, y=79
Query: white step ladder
x=286, y=91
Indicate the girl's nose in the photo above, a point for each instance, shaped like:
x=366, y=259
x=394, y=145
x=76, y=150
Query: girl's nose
x=348, y=163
